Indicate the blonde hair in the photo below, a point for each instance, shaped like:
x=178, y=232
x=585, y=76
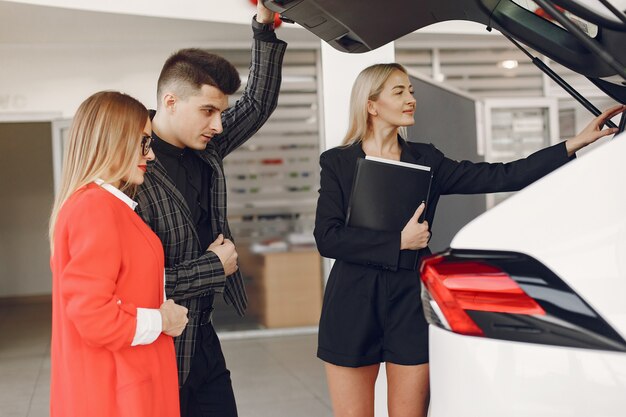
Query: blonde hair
x=367, y=86
x=104, y=140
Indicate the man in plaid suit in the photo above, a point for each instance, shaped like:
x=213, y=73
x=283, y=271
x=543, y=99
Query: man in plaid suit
x=183, y=198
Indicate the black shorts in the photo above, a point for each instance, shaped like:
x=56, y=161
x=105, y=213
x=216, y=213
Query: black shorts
x=371, y=316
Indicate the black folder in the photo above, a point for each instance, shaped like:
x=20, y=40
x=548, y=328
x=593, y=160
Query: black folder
x=385, y=195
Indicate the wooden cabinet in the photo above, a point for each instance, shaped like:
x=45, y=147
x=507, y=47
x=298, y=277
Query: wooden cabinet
x=284, y=288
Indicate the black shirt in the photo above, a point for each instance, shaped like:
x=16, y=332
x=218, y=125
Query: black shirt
x=192, y=178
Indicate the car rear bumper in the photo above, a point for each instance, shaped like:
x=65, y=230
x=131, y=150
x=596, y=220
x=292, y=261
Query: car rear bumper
x=476, y=376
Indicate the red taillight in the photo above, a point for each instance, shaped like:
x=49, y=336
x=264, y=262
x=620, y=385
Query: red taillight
x=457, y=286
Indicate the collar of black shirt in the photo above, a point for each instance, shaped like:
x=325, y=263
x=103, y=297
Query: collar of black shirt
x=161, y=146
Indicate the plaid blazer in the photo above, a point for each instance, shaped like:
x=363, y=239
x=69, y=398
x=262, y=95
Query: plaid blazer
x=192, y=272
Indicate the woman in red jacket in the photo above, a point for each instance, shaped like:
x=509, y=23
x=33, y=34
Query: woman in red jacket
x=112, y=351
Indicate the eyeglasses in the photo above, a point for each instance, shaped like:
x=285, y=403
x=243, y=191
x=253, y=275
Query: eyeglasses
x=146, y=144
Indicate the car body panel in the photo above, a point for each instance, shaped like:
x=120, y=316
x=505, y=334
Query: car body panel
x=491, y=378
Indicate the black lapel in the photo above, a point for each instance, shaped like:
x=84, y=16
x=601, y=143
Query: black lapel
x=212, y=158
x=409, y=153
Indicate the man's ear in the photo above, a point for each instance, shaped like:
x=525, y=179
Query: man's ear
x=169, y=102
x=371, y=108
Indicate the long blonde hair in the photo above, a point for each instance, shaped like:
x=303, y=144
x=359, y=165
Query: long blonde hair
x=104, y=140
x=367, y=86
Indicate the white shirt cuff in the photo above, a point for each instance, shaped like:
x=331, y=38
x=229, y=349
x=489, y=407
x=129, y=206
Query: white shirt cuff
x=149, y=326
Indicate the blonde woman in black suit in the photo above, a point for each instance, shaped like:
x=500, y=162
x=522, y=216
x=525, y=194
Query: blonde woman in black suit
x=372, y=310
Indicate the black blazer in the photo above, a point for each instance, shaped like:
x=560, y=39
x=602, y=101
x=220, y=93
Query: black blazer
x=381, y=249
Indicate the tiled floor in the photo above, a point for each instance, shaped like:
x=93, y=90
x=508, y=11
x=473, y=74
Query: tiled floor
x=273, y=376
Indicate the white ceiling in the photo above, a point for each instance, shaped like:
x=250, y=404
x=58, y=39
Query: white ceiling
x=29, y=24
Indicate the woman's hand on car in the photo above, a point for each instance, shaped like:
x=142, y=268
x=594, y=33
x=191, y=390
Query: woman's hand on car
x=593, y=131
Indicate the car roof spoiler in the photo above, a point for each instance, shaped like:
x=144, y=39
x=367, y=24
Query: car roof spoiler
x=343, y=26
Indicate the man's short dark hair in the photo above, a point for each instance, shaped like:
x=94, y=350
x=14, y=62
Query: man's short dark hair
x=187, y=70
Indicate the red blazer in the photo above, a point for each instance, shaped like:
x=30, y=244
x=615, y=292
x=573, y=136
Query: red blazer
x=106, y=263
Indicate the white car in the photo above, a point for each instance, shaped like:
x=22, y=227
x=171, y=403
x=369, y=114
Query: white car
x=528, y=306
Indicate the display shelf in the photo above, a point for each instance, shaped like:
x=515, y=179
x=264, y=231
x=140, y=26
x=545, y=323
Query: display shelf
x=273, y=178
x=517, y=128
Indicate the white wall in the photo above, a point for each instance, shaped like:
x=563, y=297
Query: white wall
x=58, y=78
x=54, y=58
